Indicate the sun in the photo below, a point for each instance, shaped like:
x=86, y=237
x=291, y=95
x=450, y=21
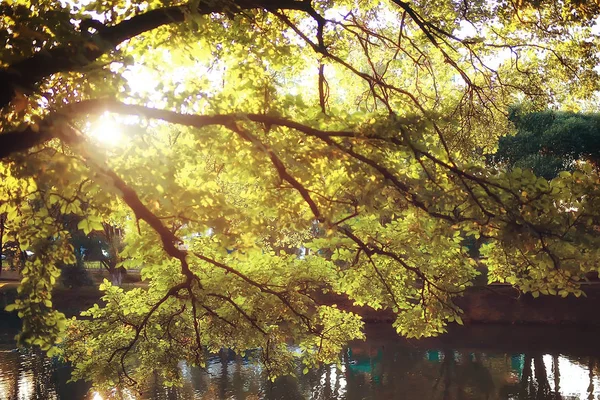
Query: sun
x=106, y=130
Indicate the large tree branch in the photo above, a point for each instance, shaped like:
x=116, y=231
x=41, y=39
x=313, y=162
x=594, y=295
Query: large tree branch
x=229, y=120
x=14, y=141
x=194, y=120
x=27, y=73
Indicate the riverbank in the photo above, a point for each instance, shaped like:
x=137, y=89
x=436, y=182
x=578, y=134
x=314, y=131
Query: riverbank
x=495, y=304
x=503, y=304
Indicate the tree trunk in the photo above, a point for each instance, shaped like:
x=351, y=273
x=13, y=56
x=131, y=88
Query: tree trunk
x=116, y=276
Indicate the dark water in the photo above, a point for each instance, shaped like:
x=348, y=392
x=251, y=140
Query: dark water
x=469, y=363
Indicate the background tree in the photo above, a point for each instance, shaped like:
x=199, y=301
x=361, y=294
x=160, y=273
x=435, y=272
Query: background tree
x=251, y=125
x=103, y=246
x=550, y=141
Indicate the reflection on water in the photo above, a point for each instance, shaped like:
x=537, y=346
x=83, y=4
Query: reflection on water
x=26, y=375
x=376, y=369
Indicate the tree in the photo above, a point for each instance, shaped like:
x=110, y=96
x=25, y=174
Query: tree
x=110, y=240
x=550, y=141
x=100, y=245
x=251, y=127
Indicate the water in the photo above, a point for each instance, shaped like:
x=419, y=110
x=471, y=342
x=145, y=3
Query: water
x=483, y=362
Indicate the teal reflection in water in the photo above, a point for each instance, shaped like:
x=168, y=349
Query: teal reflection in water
x=376, y=369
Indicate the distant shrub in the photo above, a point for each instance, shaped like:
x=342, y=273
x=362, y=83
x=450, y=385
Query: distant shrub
x=74, y=276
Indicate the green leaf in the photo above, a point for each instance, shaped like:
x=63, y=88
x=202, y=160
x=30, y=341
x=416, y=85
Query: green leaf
x=10, y=307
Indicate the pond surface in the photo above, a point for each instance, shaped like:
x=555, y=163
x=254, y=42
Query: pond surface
x=481, y=362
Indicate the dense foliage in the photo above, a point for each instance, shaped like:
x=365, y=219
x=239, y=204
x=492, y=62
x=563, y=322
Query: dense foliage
x=354, y=133
x=549, y=142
